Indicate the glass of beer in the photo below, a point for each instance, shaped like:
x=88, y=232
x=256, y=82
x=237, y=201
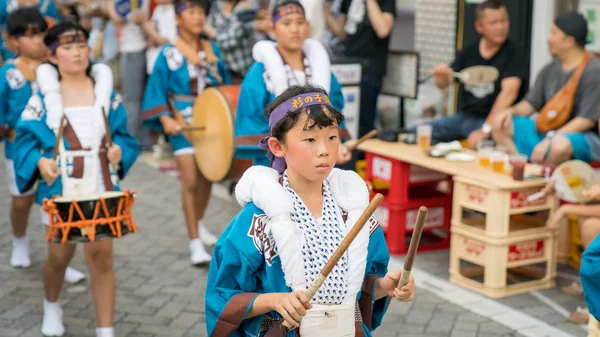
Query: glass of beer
x=498, y=159
x=424, y=137
x=518, y=162
x=484, y=152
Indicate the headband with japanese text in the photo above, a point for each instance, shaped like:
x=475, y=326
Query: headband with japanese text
x=290, y=106
x=77, y=37
x=287, y=10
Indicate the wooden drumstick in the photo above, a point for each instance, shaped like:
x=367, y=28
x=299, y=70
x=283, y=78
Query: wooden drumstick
x=368, y=136
x=108, y=134
x=362, y=220
x=180, y=119
x=193, y=128
x=412, y=249
x=59, y=135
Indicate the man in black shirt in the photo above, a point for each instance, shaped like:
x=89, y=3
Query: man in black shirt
x=365, y=27
x=481, y=103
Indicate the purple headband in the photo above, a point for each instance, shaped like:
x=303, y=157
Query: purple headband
x=67, y=39
x=185, y=5
x=291, y=105
x=287, y=10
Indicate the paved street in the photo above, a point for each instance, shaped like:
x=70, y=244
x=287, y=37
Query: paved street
x=159, y=294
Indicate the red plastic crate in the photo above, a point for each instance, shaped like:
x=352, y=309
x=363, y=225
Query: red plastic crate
x=410, y=187
x=400, y=177
x=398, y=223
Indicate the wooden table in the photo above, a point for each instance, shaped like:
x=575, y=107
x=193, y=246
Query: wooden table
x=412, y=154
x=494, y=233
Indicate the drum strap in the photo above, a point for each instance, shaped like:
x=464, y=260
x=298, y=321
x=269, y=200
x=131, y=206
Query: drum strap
x=75, y=145
x=104, y=166
x=78, y=162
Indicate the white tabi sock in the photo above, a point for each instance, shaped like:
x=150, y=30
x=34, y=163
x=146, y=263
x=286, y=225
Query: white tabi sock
x=105, y=332
x=198, y=254
x=73, y=275
x=206, y=236
x=52, y=324
x=20, y=253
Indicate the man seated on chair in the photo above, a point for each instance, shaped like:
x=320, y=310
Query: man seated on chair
x=479, y=104
x=545, y=139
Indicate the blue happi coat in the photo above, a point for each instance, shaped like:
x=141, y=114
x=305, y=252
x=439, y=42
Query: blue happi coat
x=250, y=122
x=46, y=7
x=245, y=264
x=36, y=140
x=589, y=271
x=171, y=77
x=15, y=92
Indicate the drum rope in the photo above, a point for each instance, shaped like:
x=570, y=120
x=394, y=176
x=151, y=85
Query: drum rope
x=57, y=223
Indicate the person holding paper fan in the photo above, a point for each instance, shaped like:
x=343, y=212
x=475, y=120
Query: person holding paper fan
x=481, y=102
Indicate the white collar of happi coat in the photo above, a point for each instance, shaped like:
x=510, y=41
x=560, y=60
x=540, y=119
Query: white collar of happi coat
x=275, y=76
x=289, y=237
x=49, y=85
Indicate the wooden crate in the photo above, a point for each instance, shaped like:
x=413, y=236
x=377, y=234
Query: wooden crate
x=593, y=327
x=502, y=209
x=502, y=267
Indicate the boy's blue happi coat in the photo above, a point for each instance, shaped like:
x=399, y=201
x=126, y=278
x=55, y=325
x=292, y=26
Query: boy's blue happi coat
x=245, y=264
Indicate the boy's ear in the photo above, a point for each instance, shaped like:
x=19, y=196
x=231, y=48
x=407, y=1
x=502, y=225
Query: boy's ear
x=12, y=41
x=276, y=147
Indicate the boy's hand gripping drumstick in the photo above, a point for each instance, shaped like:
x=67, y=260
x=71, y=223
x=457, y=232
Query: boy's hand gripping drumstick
x=314, y=287
x=412, y=249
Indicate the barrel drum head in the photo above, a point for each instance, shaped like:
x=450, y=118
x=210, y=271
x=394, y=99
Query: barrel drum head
x=214, y=146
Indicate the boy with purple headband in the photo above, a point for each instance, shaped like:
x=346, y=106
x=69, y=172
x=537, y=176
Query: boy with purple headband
x=286, y=232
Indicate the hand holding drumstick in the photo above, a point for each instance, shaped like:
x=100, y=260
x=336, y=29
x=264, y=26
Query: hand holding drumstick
x=388, y=286
x=401, y=285
x=114, y=152
x=48, y=170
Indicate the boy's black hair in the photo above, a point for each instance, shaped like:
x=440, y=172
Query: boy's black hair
x=24, y=19
x=316, y=113
x=205, y=4
x=284, y=3
x=60, y=28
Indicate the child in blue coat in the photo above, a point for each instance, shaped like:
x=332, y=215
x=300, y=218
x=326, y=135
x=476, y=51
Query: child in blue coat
x=279, y=242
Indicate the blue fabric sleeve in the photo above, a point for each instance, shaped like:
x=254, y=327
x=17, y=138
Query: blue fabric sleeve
x=117, y=120
x=155, y=103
